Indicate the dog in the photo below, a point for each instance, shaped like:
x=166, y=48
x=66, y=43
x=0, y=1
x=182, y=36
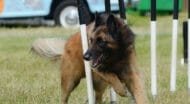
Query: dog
x=111, y=54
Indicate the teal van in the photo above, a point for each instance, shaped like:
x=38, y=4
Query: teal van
x=54, y=12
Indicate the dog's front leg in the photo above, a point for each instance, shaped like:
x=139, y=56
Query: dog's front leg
x=134, y=82
x=114, y=81
x=135, y=86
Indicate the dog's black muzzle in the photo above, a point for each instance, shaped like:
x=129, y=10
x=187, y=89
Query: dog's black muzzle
x=88, y=55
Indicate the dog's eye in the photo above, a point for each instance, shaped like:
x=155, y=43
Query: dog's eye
x=101, y=42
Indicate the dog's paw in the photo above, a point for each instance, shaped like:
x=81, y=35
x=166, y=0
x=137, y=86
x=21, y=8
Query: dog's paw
x=122, y=92
x=113, y=102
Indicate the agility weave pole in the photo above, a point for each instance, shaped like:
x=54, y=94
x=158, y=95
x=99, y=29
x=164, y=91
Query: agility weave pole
x=174, y=47
x=88, y=72
x=188, y=72
x=174, y=52
x=123, y=16
x=186, y=47
x=113, y=95
x=122, y=10
x=153, y=49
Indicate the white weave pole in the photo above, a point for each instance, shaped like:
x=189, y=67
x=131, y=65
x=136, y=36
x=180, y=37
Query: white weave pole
x=174, y=48
x=188, y=72
x=123, y=16
x=188, y=67
x=174, y=57
x=88, y=72
x=153, y=49
x=153, y=59
x=113, y=95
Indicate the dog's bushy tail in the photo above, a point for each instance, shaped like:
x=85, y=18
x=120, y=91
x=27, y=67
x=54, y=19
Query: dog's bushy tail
x=51, y=48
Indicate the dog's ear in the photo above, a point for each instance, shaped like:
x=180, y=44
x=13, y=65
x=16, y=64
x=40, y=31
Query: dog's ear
x=112, y=26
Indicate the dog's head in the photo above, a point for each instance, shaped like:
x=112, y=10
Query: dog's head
x=108, y=41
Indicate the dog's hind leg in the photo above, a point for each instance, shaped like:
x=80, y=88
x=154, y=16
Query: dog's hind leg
x=70, y=77
x=99, y=87
x=69, y=83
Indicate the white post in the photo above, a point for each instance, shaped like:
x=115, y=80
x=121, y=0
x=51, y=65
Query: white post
x=87, y=65
x=153, y=59
x=174, y=56
x=188, y=72
x=113, y=96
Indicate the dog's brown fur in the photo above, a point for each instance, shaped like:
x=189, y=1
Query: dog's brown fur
x=124, y=71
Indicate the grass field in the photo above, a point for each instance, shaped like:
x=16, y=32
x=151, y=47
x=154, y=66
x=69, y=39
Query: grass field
x=28, y=79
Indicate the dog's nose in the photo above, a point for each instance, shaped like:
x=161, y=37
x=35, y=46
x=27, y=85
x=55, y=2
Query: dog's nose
x=87, y=56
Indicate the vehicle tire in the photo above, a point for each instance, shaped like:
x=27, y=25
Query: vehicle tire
x=66, y=14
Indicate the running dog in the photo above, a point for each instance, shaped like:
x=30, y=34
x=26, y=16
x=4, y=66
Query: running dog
x=111, y=54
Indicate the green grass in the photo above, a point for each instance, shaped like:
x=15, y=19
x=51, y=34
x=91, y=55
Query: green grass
x=28, y=79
